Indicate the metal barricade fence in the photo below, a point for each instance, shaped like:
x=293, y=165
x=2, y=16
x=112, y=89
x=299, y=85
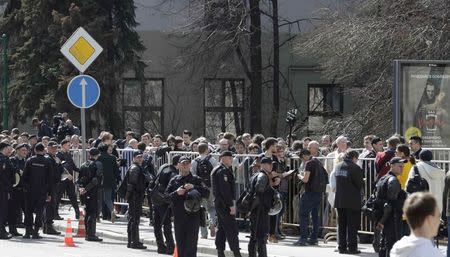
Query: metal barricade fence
x=294, y=189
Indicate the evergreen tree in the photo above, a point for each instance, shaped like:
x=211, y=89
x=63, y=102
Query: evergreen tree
x=40, y=73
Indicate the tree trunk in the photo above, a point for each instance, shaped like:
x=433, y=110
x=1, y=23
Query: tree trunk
x=276, y=70
x=255, y=66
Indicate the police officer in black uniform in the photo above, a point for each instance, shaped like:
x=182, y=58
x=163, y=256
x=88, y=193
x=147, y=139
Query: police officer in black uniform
x=38, y=188
x=163, y=211
x=136, y=185
x=259, y=216
x=91, y=173
x=50, y=206
x=6, y=183
x=223, y=187
x=185, y=191
x=390, y=192
x=17, y=201
x=67, y=184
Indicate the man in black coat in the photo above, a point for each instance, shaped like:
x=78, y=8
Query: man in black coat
x=38, y=188
x=6, y=183
x=223, y=187
x=187, y=221
x=67, y=184
x=162, y=211
x=17, y=201
x=57, y=170
x=348, y=200
x=91, y=173
x=136, y=185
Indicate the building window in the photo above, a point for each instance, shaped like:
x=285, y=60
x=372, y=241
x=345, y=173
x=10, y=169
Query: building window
x=224, y=106
x=325, y=101
x=143, y=105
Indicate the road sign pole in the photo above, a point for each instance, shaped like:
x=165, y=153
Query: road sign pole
x=83, y=121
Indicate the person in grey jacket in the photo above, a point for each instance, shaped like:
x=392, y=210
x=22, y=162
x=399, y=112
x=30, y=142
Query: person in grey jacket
x=348, y=200
x=390, y=192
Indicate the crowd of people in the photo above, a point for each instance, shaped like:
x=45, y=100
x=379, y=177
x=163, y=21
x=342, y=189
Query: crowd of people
x=205, y=192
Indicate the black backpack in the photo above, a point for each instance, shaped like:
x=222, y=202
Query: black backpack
x=204, y=168
x=373, y=207
x=417, y=183
x=245, y=203
x=321, y=179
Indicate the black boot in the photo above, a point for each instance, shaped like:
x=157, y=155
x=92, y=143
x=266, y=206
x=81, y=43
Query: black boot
x=252, y=248
x=13, y=231
x=28, y=232
x=237, y=254
x=50, y=230
x=92, y=229
x=220, y=253
x=35, y=234
x=4, y=235
x=262, y=249
x=170, y=247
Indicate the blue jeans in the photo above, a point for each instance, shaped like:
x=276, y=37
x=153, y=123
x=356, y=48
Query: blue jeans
x=309, y=205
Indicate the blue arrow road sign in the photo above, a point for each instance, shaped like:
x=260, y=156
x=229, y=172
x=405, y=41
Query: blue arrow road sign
x=83, y=91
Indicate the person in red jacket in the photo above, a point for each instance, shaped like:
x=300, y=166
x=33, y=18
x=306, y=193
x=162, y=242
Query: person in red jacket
x=382, y=159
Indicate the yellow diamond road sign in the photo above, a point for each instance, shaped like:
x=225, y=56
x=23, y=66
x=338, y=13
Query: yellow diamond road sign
x=81, y=49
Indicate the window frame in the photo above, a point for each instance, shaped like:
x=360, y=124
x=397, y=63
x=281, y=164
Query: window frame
x=224, y=109
x=326, y=113
x=142, y=108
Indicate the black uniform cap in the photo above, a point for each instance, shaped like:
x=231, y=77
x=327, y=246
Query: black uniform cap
x=226, y=153
x=3, y=145
x=39, y=147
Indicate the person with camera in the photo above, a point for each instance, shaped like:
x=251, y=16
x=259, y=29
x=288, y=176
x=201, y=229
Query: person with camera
x=259, y=216
x=390, y=193
x=185, y=192
x=91, y=174
x=223, y=188
x=162, y=210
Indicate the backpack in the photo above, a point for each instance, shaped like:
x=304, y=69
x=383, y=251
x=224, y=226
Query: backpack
x=245, y=203
x=122, y=188
x=204, y=168
x=321, y=179
x=417, y=183
x=373, y=207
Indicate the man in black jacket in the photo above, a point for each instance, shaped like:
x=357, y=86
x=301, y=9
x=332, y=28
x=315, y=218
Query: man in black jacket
x=390, y=192
x=17, y=201
x=38, y=188
x=259, y=216
x=50, y=207
x=349, y=183
x=223, y=187
x=91, y=173
x=67, y=184
x=6, y=180
x=187, y=222
x=163, y=211
x=136, y=185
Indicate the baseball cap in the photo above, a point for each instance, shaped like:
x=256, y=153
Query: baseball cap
x=184, y=159
x=396, y=160
x=226, y=153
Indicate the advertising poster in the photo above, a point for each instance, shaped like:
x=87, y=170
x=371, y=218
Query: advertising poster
x=422, y=101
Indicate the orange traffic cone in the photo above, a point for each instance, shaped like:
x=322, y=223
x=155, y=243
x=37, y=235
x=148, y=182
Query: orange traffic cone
x=81, y=232
x=175, y=251
x=68, y=240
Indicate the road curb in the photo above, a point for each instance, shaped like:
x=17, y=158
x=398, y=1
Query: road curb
x=115, y=236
